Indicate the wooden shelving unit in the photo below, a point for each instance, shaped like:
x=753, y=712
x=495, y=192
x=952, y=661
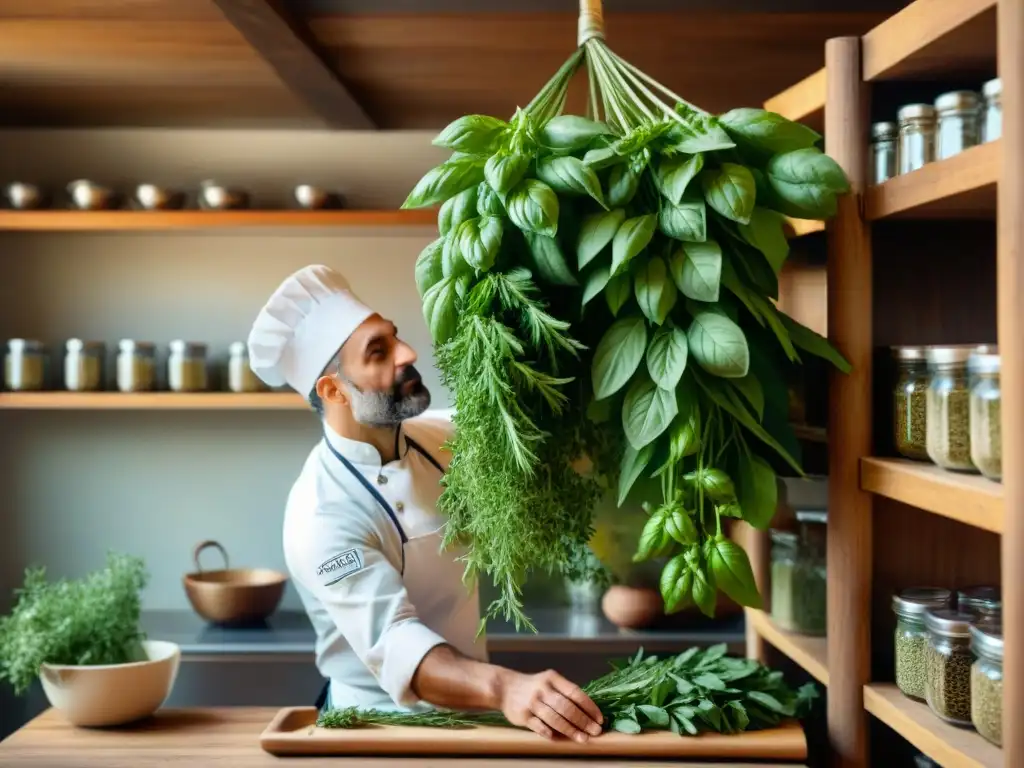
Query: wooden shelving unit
x=803, y=102
x=148, y=401
x=106, y=221
x=894, y=523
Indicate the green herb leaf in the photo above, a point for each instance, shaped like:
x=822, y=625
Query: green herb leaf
x=808, y=180
x=675, y=174
x=697, y=270
x=717, y=485
x=814, y=343
x=596, y=233
x=601, y=158
x=647, y=411
x=479, y=240
x=680, y=527
x=709, y=681
x=766, y=233
x=769, y=702
x=458, y=209
x=698, y=133
x=676, y=583
x=594, y=284
x=452, y=263
x=704, y=598
x=654, y=540
x=655, y=292
x=718, y=345
x=750, y=388
x=439, y=310
x=730, y=190
x=656, y=716
x=444, y=181
x=770, y=313
x=474, y=134
x=732, y=571
x=487, y=201
x=618, y=291
x=618, y=355
x=504, y=170
x=570, y=176
x=766, y=131
x=428, y=266
x=623, y=183
x=686, y=221
x=666, y=356
x=631, y=238
x=756, y=490
x=533, y=207
x=570, y=132
x=633, y=463
x=547, y=260
x=737, y=715
x=625, y=725
x=683, y=441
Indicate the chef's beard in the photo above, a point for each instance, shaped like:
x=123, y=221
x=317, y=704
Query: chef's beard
x=390, y=408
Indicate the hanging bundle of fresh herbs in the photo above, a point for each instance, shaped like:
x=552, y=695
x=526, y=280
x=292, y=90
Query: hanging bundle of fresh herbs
x=606, y=284
x=699, y=690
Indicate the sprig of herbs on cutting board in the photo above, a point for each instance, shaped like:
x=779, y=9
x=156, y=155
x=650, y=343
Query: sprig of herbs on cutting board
x=699, y=690
x=87, y=621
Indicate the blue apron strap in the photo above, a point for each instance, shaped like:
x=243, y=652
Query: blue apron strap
x=413, y=444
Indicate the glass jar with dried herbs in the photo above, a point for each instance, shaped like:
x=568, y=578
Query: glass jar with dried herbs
x=987, y=680
x=783, y=556
x=949, y=421
x=985, y=408
x=911, y=636
x=984, y=601
x=947, y=687
x=809, y=574
x=910, y=403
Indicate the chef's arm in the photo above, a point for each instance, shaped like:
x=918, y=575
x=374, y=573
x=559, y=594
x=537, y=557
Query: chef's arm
x=546, y=703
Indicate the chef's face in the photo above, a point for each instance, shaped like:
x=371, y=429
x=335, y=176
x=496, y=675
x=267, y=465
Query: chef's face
x=379, y=378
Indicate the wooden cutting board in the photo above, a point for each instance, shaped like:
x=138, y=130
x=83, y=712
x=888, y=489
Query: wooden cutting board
x=293, y=732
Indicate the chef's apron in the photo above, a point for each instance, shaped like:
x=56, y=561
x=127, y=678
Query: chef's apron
x=432, y=577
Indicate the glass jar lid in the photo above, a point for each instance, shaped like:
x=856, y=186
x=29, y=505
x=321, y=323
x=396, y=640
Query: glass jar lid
x=957, y=101
x=909, y=354
x=24, y=345
x=993, y=87
x=956, y=354
x=984, y=600
x=129, y=346
x=238, y=349
x=980, y=362
x=916, y=113
x=812, y=516
x=783, y=538
x=188, y=348
x=987, y=639
x=79, y=345
x=915, y=601
x=949, y=623
x=884, y=131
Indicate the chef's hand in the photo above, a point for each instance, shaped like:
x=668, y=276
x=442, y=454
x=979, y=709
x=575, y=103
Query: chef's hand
x=547, y=704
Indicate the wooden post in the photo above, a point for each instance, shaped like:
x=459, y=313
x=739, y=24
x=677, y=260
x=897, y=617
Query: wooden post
x=755, y=543
x=850, y=330
x=1010, y=296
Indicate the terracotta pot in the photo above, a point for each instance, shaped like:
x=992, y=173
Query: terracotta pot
x=632, y=607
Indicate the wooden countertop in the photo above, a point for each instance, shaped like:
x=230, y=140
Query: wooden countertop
x=220, y=737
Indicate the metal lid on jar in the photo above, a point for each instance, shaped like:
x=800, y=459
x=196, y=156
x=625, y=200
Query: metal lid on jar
x=238, y=349
x=957, y=101
x=983, y=363
x=191, y=348
x=916, y=113
x=987, y=638
x=80, y=345
x=984, y=600
x=909, y=353
x=25, y=345
x=956, y=354
x=812, y=516
x=916, y=601
x=786, y=538
x=128, y=346
x=884, y=130
x=948, y=622
x=993, y=87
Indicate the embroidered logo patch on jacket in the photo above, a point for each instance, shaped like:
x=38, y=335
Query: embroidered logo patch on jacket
x=338, y=567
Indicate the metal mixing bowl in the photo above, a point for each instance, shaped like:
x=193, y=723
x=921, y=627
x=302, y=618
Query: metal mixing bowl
x=89, y=196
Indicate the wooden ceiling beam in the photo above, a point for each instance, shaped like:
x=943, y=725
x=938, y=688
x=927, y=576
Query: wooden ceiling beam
x=288, y=47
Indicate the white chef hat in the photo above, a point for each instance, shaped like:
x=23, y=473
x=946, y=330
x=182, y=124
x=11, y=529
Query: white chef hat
x=302, y=326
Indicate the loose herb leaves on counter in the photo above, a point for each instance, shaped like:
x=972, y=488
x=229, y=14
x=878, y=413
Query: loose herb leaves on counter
x=701, y=689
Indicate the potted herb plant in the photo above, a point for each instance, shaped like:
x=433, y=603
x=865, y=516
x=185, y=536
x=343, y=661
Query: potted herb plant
x=82, y=639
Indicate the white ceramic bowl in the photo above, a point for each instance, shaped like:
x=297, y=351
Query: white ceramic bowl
x=113, y=694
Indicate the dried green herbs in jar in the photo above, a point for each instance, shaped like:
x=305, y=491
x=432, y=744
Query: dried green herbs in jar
x=911, y=636
x=984, y=601
x=910, y=403
x=949, y=424
x=987, y=681
x=948, y=665
x=809, y=576
x=985, y=408
x=783, y=556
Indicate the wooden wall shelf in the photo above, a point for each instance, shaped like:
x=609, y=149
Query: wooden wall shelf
x=803, y=102
x=963, y=186
x=932, y=38
x=811, y=653
x=970, y=499
x=151, y=401
x=92, y=221
x=946, y=744
x=801, y=227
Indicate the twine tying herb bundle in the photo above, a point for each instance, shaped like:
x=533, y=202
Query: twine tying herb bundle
x=604, y=287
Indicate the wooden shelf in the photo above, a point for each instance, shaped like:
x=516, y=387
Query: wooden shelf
x=967, y=498
x=810, y=433
x=91, y=221
x=149, y=401
x=946, y=744
x=930, y=38
x=803, y=102
x=962, y=186
x=801, y=227
x=809, y=652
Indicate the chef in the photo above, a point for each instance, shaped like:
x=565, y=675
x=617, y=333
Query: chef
x=396, y=627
